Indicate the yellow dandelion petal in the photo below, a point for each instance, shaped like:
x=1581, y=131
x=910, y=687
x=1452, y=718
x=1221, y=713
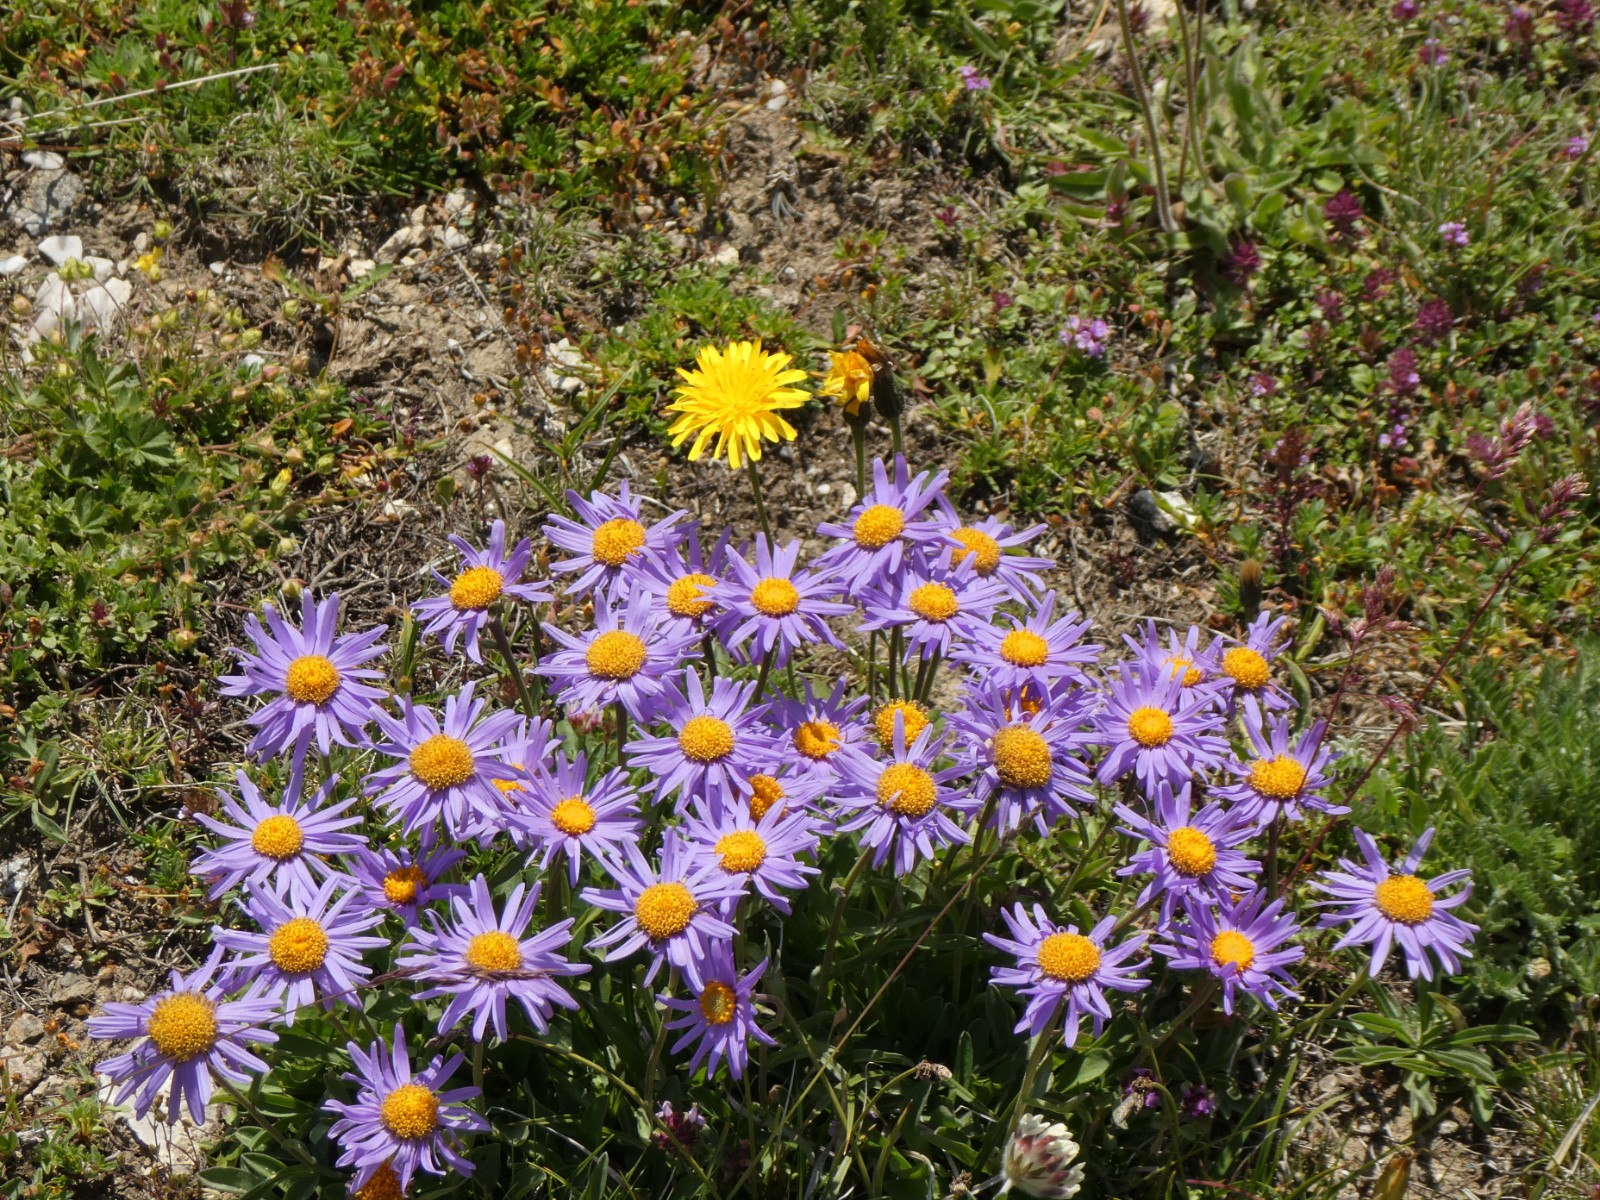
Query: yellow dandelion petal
x=732, y=396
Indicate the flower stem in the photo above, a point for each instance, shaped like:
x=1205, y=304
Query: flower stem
x=833, y=925
x=761, y=679
x=858, y=435
x=503, y=644
x=1041, y=1050
x=1141, y=94
x=761, y=508
x=895, y=433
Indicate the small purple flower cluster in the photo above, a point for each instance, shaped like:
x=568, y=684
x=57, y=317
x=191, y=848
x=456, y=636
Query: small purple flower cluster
x=1086, y=334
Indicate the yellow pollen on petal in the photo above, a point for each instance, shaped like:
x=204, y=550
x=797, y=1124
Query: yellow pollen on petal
x=775, y=597
x=1024, y=648
x=494, y=951
x=686, y=596
x=1150, y=727
x=983, y=549
x=278, y=836
x=1069, y=957
x=573, y=816
x=906, y=790
x=442, y=762
x=616, y=540
x=182, y=1026
x=1022, y=757
x=1183, y=667
x=718, y=1003
x=765, y=791
x=664, y=910
x=297, y=946
x=741, y=850
x=705, y=738
x=404, y=884
x=1230, y=948
x=817, y=739
x=476, y=588
x=1281, y=777
x=1404, y=898
x=1246, y=668
x=878, y=526
x=311, y=679
x=1190, y=851
x=933, y=602
x=410, y=1111
x=384, y=1184
x=912, y=714
x=615, y=654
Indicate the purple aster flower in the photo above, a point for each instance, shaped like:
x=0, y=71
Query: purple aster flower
x=446, y=768
x=625, y=659
x=722, y=1016
x=985, y=543
x=486, y=577
x=289, y=841
x=1281, y=778
x=481, y=959
x=1433, y=54
x=608, y=542
x=1200, y=682
x=320, y=683
x=885, y=527
x=671, y=910
x=1434, y=322
x=791, y=792
x=1088, y=336
x=1027, y=759
x=403, y=1120
x=1577, y=146
x=1057, y=965
x=766, y=851
x=562, y=813
x=718, y=742
x=1035, y=652
x=307, y=946
x=1384, y=907
x=403, y=882
x=937, y=608
x=1344, y=212
x=809, y=734
x=1454, y=234
x=191, y=1033
x=1240, y=944
x=688, y=583
x=527, y=750
x=1189, y=856
x=1243, y=261
x=900, y=804
x=1149, y=730
x=1244, y=671
x=776, y=608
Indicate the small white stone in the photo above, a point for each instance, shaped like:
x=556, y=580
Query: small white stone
x=103, y=303
x=58, y=248
x=419, y=215
x=726, y=257
x=400, y=243
x=360, y=268
x=457, y=202
x=454, y=239
x=12, y=264
x=104, y=268
x=217, y=268
x=45, y=160
x=52, y=305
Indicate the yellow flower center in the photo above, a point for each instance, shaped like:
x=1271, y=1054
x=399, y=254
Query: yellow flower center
x=1181, y=665
x=615, y=654
x=403, y=884
x=663, y=910
x=410, y=1111
x=1021, y=757
x=706, y=739
x=297, y=946
x=912, y=714
x=278, y=836
x=476, y=587
x=183, y=1026
x=741, y=850
x=775, y=597
x=383, y=1185
x=1404, y=898
x=1230, y=948
x=1069, y=957
x=1246, y=668
x=878, y=526
x=1191, y=851
x=616, y=540
x=906, y=790
x=312, y=679
x=1150, y=727
x=985, y=551
x=817, y=739
x=574, y=816
x=1281, y=777
x=1024, y=648
x=933, y=602
x=765, y=791
x=442, y=762
x=686, y=596
x=494, y=951
x=718, y=1002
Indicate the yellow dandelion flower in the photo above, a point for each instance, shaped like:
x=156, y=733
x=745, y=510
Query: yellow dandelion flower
x=734, y=395
x=849, y=380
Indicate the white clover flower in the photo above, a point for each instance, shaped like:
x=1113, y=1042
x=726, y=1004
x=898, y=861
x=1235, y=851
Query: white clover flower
x=1039, y=1160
